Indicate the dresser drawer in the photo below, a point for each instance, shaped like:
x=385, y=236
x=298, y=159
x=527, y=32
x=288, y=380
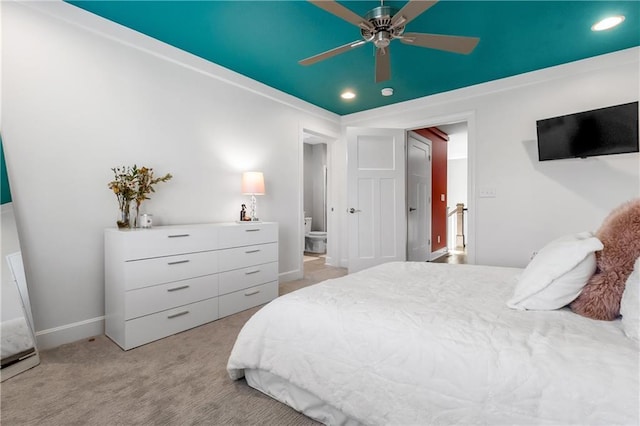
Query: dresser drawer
x=167, y=240
x=148, y=272
x=147, y=300
x=162, y=324
x=247, y=298
x=239, y=279
x=243, y=257
x=247, y=234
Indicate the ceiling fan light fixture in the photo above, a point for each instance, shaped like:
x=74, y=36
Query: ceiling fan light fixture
x=387, y=91
x=382, y=39
x=347, y=94
x=383, y=24
x=607, y=23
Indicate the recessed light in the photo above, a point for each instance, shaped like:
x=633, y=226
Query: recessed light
x=387, y=91
x=607, y=23
x=348, y=94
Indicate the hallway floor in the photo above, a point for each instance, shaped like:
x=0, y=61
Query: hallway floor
x=454, y=256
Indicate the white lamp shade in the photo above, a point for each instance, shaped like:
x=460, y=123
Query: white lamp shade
x=252, y=183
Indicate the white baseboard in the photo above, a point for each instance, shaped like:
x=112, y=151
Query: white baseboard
x=296, y=274
x=54, y=337
x=439, y=253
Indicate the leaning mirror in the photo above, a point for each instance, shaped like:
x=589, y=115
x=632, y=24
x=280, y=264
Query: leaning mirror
x=18, y=351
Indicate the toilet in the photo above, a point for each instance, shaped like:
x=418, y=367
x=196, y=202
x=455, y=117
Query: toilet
x=314, y=241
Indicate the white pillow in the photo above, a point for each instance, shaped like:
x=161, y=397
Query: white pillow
x=630, y=304
x=557, y=274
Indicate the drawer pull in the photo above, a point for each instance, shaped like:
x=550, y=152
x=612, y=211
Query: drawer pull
x=252, y=251
x=252, y=272
x=182, y=287
x=179, y=314
x=177, y=262
x=252, y=293
x=252, y=230
x=178, y=235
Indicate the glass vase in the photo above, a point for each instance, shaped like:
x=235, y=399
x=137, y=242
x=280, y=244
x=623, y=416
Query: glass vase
x=124, y=221
x=135, y=217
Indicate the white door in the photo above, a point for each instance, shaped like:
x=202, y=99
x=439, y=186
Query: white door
x=418, y=198
x=377, y=224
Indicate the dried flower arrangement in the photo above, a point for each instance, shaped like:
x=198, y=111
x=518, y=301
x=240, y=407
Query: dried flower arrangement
x=133, y=184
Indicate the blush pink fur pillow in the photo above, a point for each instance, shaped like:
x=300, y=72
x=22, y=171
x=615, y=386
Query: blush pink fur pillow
x=620, y=235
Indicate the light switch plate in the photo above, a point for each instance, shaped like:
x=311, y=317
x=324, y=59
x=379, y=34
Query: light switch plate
x=487, y=192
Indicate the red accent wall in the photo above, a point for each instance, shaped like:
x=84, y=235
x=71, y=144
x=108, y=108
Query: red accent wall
x=439, y=141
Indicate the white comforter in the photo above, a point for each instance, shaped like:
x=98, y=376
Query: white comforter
x=420, y=343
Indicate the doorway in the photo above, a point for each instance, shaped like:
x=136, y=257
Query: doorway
x=418, y=198
x=457, y=188
x=315, y=197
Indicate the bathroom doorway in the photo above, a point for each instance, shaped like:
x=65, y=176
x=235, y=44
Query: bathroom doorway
x=315, y=198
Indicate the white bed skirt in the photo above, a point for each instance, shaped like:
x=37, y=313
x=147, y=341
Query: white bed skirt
x=297, y=398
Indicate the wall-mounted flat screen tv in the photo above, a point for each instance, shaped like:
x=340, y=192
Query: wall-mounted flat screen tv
x=604, y=131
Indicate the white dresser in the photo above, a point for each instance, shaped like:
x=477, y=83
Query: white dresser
x=167, y=279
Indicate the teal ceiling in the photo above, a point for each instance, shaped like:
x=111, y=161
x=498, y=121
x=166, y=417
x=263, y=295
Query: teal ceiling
x=264, y=40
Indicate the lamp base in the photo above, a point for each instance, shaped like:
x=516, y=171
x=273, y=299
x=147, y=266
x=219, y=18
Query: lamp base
x=252, y=211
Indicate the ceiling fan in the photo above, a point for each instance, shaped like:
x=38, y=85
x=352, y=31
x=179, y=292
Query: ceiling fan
x=383, y=24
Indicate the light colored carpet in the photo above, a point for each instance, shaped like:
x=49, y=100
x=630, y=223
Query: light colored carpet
x=179, y=380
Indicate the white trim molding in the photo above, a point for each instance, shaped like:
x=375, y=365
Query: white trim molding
x=296, y=274
x=438, y=253
x=68, y=333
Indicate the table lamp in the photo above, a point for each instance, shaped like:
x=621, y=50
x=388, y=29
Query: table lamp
x=253, y=184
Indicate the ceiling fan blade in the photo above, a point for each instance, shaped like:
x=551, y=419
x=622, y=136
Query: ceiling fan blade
x=383, y=64
x=448, y=43
x=342, y=12
x=333, y=52
x=410, y=11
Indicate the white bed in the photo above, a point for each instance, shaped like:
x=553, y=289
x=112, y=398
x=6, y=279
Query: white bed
x=418, y=343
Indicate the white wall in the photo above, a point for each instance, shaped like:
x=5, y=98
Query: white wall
x=536, y=201
x=457, y=164
x=82, y=95
x=457, y=180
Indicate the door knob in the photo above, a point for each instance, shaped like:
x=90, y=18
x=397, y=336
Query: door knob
x=412, y=209
x=352, y=210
